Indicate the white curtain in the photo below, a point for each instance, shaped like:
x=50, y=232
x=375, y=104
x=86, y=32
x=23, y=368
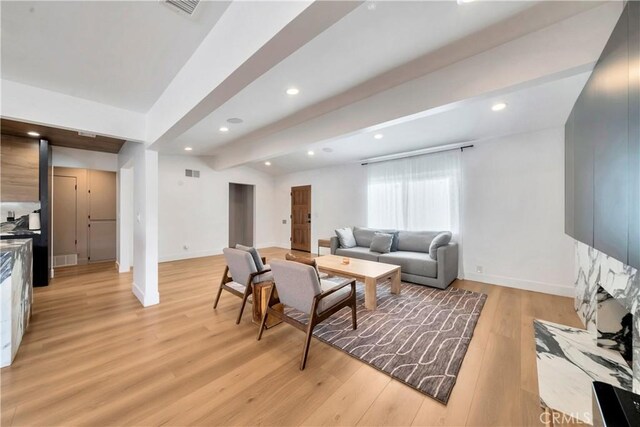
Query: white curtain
x=416, y=193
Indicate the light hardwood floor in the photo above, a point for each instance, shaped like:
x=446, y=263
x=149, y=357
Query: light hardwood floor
x=94, y=356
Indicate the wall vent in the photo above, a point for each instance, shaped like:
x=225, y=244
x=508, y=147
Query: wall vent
x=64, y=260
x=192, y=173
x=184, y=6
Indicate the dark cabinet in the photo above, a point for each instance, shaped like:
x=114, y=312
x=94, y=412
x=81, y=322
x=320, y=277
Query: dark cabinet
x=569, y=174
x=583, y=151
x=602, y=149
x=611, y=167
x=634, y=135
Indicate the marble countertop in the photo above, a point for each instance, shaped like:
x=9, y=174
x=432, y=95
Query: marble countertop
x=568, y=361
x=16, y=292
x=8, y=250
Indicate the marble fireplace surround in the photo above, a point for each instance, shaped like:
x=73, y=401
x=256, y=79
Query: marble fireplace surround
x=596, y=272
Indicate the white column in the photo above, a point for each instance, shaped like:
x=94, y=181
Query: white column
x=144, y=230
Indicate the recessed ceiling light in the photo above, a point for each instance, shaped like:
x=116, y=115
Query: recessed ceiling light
x=378, y=136
x=267, y=163
x=224, y=129
x=372, y=6
x=499, y=106
x=188, y=148
x=235, y=120
x=32, y=133
x=293, y=91
x=464, y=1
x=310, y=153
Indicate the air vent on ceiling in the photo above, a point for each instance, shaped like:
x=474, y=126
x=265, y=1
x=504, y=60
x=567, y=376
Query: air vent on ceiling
x=185, y=6
x=192, y=173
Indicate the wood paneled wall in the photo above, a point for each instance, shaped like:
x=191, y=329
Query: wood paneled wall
x=20, y=164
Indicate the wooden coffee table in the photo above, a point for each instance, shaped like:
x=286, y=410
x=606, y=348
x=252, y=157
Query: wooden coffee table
x=370, y=272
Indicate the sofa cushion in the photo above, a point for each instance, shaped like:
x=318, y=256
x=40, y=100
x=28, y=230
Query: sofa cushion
x=364, y=236
x=415, y=241
x=345, y=235
x=381, y=243
x=418, y=263
x=358, y=252
x=441, y=239
x=336, y=297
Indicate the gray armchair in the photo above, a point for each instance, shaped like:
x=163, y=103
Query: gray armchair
x=299, y=287
x=243, y=275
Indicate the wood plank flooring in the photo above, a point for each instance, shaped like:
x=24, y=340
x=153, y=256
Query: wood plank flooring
x=94, y=356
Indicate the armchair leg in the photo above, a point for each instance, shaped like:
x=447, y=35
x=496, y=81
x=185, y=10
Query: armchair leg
x=354, y=321
x=222, y=282
x=244, y=302
x=266, y=313
x=307, y=343
x=215, y=304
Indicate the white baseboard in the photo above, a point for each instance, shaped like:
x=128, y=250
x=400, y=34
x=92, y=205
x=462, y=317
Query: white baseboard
x=527, y=285
x=201, y=254
x=187, y=255
x=122, y=269
x=145, y=299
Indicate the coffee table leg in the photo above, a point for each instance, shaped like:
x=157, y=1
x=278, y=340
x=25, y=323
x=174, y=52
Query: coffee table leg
x=370, y=298
x=395, y=282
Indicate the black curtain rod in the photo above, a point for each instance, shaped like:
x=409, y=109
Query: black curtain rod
x=422, y=154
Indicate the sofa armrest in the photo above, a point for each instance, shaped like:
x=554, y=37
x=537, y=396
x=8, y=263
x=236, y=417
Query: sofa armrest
x=335, y=244
x=447, y=264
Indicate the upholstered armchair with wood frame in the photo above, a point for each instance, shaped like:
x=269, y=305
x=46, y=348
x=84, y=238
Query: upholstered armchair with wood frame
x=299, y=287
x=239, y=276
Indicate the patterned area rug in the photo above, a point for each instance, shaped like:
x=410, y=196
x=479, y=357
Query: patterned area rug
x=419, y=337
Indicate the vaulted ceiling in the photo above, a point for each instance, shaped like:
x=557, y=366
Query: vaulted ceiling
x=422, y=73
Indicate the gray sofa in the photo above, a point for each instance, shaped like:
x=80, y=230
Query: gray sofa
x=412, y=255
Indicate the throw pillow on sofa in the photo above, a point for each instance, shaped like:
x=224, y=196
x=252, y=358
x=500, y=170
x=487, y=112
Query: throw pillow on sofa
x=345, y=236
x=381, y=242
x=441, y=239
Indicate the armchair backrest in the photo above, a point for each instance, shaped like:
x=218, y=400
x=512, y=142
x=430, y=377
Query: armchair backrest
x=297, y=284
x=240, y=264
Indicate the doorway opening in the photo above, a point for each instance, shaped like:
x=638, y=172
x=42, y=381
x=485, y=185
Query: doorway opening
x=241, y=214
x=301, y=218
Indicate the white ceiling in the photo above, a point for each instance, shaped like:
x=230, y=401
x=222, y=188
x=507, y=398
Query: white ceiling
x=364, y=44
x=539, y=107
x=117, y=53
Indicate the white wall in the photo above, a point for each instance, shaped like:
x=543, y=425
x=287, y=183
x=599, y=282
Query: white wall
x=194, y=212
x=83, y=159
x=338, y=199
x=513, y=213
x=512, y=210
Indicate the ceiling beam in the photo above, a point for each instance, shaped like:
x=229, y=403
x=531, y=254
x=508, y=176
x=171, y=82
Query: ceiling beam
x=249, y=39
x=481, y=65
x=44, y=107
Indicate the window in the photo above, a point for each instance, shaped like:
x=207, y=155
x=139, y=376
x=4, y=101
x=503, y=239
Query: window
x=416, y=193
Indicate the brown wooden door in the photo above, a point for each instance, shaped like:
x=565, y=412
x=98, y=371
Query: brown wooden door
x=301, y=218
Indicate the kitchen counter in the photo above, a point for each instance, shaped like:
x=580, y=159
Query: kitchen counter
x=19, y=234
x=16, y=295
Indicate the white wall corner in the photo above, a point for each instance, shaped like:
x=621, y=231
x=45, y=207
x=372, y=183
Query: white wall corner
x=146, y=299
